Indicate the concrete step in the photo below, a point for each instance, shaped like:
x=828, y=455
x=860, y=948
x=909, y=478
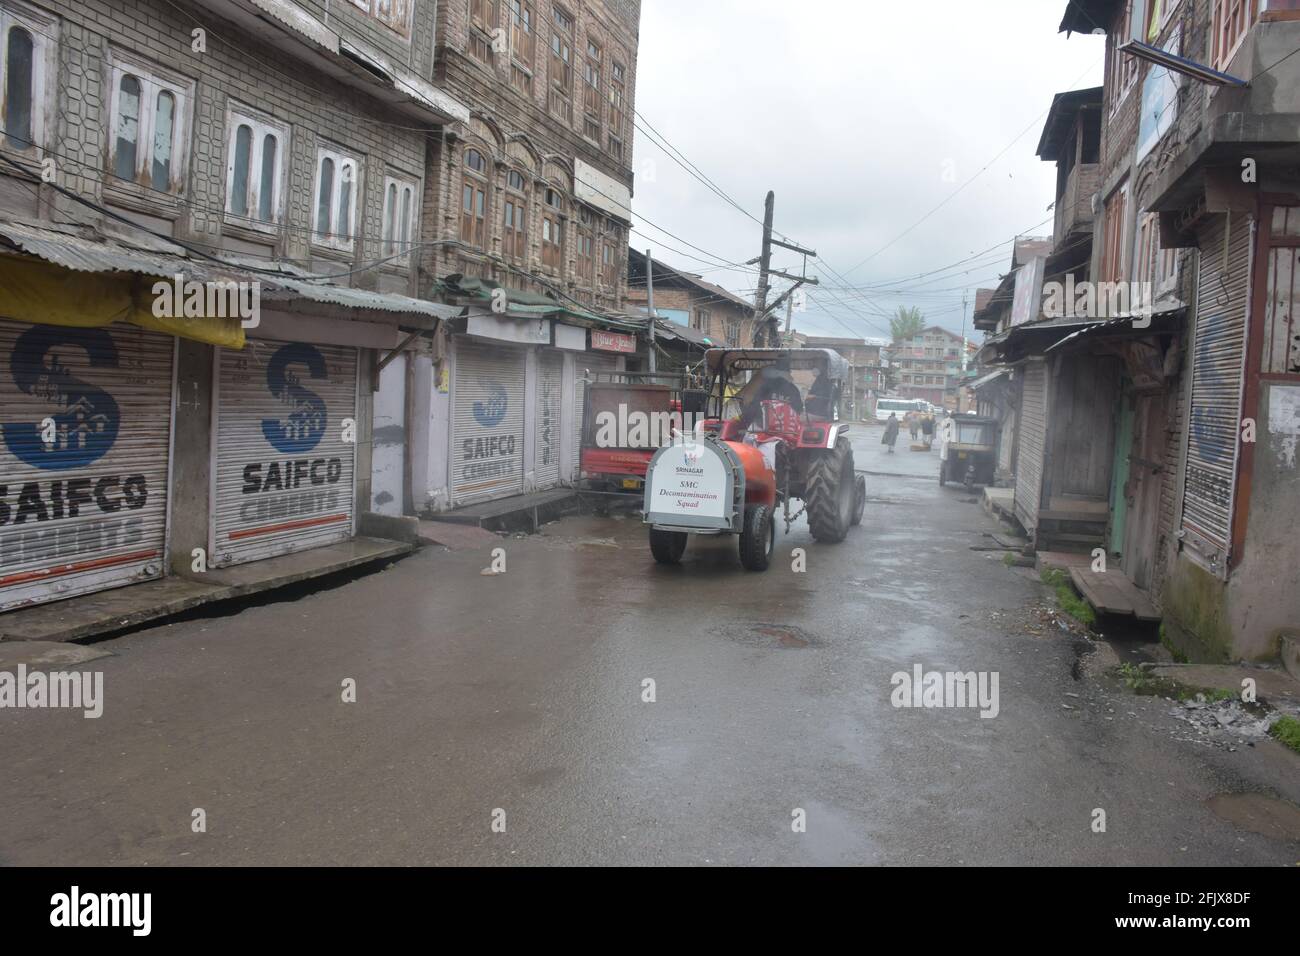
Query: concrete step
x=525, y=512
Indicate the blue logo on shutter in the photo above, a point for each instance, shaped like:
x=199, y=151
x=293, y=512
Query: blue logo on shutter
x=86, y=418
x=490, y=413
x=302, y=425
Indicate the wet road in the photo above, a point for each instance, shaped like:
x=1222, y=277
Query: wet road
x=523, y=692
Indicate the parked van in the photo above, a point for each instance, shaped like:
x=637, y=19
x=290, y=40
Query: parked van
x=899, y=407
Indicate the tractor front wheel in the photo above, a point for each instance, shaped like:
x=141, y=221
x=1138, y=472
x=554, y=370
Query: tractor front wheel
x=667, y=546
x=758, y=538
x=831, y=492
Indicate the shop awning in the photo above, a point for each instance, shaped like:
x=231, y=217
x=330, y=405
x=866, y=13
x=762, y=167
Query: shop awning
x=115, y=283
x=277, y=288
x=521, y=304
x=1122, y=324
x=988, y=379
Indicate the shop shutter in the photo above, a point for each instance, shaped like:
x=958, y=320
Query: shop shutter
x=1033, y=442
x=285, y=474
x=588, y=363
x=488, y=443
x=550, y=370
x=1215, y=419
x=89, y=512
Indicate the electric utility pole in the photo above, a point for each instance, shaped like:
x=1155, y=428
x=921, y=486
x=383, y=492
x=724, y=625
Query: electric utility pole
x=650, y=303
x=767, y=326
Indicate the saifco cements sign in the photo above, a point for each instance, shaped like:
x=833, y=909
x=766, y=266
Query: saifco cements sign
x=284, y=458
x=488, y=439
x=85, y=419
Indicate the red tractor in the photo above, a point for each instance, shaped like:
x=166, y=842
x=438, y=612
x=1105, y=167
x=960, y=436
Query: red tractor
x=762, y=442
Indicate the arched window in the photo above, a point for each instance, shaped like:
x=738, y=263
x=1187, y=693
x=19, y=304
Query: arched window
x=128, y=127
x=552, y=229
x=148, y=126
x=243, y=154
x=266, y=186
x=19, y=87
x=343, y=216
x=390, y=218
x=325, y=190
x=515, y=224
x=473, y=203
x=164, y=139
x=255, y=170
x=336, y=198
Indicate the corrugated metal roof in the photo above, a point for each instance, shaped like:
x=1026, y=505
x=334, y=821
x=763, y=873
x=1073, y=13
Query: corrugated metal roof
x=357, y=298
x=85, y=255
x=80, y=254
x=986, y=379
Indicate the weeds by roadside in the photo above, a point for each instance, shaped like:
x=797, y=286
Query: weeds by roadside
x=1071, y=603
x=1286, y=730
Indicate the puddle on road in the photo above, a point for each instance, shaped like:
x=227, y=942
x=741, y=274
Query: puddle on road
x=1257, y=813
x=762, y=634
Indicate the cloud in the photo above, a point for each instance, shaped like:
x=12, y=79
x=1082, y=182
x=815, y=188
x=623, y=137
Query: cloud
x=862, y=117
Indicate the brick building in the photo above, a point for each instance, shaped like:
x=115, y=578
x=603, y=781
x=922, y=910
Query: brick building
x=689, y=300
x=262, y=143
x=534, y=191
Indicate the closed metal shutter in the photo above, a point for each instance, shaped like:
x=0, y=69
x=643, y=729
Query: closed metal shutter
x=584, y=364
x=284, y=475
x=1033, y=441
x=1215, y=414
x=547, y=446
x=88, y=511
x=488, y=443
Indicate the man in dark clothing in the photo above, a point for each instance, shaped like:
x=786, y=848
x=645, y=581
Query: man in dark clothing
x=927, y=430
x=891, y=432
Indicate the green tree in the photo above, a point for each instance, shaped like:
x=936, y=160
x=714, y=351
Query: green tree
x=907, y=323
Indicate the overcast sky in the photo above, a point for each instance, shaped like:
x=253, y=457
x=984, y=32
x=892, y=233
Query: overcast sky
x=862, y=116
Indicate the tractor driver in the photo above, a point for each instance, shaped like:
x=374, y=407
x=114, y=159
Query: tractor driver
x=819, y=396
x=771, y=383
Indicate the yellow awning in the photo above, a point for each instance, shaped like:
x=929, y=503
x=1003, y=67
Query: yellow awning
x=47, y=294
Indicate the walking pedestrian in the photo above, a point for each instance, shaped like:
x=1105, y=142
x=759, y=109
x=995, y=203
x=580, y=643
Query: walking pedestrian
x=891, y=432
x=927, y=431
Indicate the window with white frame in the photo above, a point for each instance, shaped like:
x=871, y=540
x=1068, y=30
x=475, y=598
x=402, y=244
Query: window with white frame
x=334, y=204
x=256, y=147
x=394, y=14
x=149, y=126
x=27, y=68
x=399, y=214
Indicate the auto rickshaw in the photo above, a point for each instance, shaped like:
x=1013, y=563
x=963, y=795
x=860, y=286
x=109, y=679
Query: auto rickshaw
x=968, y=448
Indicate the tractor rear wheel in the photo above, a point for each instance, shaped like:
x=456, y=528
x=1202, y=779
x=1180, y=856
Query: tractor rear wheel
x=667, y=546
x=758, y=538
x=830, y=493
x=859, y=498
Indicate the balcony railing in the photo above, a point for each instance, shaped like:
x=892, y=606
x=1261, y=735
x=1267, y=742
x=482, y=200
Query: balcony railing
x=1074, y=208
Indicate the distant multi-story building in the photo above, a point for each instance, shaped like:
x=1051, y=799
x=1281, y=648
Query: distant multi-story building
x=863, y=355
x=929, y=366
